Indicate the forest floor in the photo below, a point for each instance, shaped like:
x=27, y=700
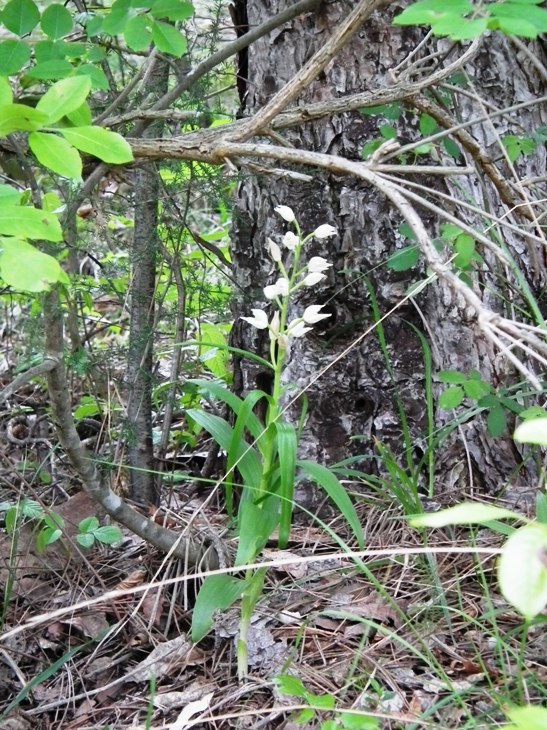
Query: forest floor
x=402, y=637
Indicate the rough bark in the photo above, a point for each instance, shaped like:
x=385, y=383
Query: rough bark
x=354, y=403
x=142, y=480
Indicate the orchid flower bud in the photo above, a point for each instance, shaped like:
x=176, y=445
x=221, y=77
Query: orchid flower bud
x=285, y=212
x=273, y=250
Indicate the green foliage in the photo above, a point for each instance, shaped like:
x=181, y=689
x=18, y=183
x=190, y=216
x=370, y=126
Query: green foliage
x=319, y=705
x=464, y=20
x=522, y=571
x=50, y=525
x=478, y=391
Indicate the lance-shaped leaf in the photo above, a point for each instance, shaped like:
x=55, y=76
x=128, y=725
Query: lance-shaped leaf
x=56, y=154
x=16, y=220
x=25, y=268
x=20, y=118
x=107, y=146
x=64, y=97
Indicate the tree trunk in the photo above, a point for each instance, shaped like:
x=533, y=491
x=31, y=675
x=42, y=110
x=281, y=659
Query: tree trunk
x=355, y=404
x=142, y=480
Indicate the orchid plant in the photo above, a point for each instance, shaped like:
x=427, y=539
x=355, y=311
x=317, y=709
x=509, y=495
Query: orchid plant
x=268, y=466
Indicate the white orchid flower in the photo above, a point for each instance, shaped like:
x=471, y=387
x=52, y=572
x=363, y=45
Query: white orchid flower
x=317, y=264
x=285, y=212
x=279, y=289
x=297, y=328
x=274, y=327
x=312, y=279
x=312, y=314
x=258, y=320
x=290, y=240
x=273, y=250
x=325, y=231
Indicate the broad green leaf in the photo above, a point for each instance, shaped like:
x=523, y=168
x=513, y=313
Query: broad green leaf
x=56, y=154
x=5, y=92
x=115, y=21
x=213, y=357
x=510, y=15
x=464, y=245
x=56, y=68
x=48, y=51
x=451, y=397
x=464, y=29
x=9, y=195
x=427, y=12
x=529, y=717
x=533, y=412
x=80, y=117
x=56, y=21
x=172, y=9
x=522, y=570
x=427, y=125
x=289, y=685
x=217, y=593
x=17, y=220
x=388, y=111
x=467, y=513
x=20, y=118
x=496, y=422
x=107, y=534
x=532, y=431
x=85, y=539
x=13, y=56
x=51, y=202
x=286, y=448
x=255, y=527
x=20, y=16
x=64, y=97
x=25, y=268
x=475, y=389
x=88, y=523
x=102, y=143
x=168, y=39
x=387, y=131
x=137, y=34
x=404, y=259
x=451, y=148
x=95, y=74
x=451, y=377
x=327, y=481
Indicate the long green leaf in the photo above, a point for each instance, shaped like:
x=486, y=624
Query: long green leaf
x=248, y=461
x=217, y=593
x=64, y=97
x=286, y=448
x=255, y=527
x=327, y=481
x=18, y=220
x=107, y=146
x=39, y=678
x=56, y=154
x=245, y=419
x=217, y=390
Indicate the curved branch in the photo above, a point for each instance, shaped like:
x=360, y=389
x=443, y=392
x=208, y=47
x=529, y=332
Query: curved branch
x=191, y=551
